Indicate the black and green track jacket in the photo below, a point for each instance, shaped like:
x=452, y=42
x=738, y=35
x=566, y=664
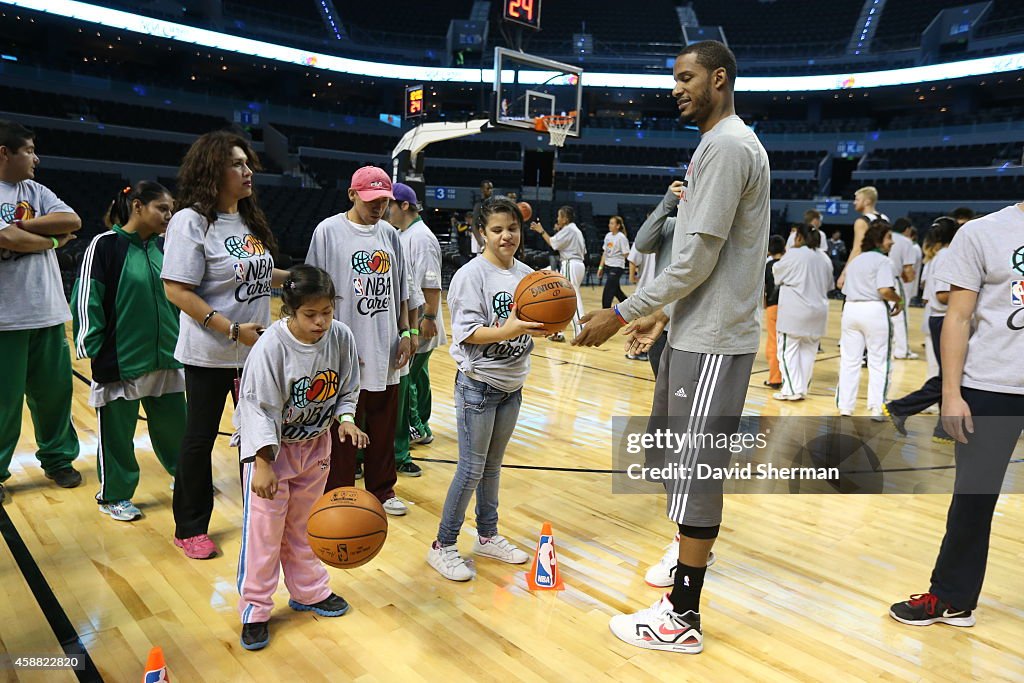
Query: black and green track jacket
x=122, y=318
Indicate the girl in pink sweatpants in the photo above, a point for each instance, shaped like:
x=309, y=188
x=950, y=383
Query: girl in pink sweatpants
x=301, y=375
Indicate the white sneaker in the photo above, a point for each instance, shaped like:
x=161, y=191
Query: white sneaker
x=877, y=415
x=910, y=356
x=933, y=409
x=846, y=413
x=779, y=396
x=122, y=510
x=659, y=628
x=448, y=563
x=499, y=548
x=663, y=574
x=393, y=506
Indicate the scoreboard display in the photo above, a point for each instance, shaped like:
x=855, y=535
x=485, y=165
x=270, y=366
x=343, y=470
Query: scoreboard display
x=522, y=12
x=414, y=101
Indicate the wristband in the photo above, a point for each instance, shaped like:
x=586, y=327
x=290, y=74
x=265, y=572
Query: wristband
x=618, y=315
x=404, y=334
x=56, y=242
x=413, y=330
x=346, y=417
x=208, y=318
x=430, y=316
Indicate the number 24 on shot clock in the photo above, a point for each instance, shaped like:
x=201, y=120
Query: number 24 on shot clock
x=524, y=12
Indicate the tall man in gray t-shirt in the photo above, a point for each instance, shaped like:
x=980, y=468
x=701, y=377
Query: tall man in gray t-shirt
x=712, y=291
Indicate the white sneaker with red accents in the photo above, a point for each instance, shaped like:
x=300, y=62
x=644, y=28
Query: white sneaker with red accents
x=662, y=575
x=659, y=628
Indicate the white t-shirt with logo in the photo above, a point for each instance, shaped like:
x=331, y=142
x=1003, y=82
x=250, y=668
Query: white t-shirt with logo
x=367, y=265
x=231, y=271
x=31, y=292
x=569, y=243
x=616, y=248
x=987, y=257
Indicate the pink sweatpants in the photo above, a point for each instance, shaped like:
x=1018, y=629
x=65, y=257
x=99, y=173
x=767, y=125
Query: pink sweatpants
x=274, y=531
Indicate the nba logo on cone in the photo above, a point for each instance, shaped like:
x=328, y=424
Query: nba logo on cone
x=544, y=574
x=156, y=668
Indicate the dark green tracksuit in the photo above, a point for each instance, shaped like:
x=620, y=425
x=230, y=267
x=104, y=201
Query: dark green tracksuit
x=125, y=324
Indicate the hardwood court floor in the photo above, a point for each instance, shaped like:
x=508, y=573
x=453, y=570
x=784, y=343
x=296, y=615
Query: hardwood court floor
x=800, y=591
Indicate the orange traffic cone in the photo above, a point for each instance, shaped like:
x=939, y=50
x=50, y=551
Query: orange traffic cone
x=544, y=574
x=156, y=668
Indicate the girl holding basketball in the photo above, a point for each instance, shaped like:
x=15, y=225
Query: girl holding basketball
x=301, y=376
x=491, y=347
x=218, y=269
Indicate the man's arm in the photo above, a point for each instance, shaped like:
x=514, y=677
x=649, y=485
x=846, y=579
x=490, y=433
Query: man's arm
x=59, y=223
x=860, y=228
x=13, y=238
x=956, y=330
x=651, y=233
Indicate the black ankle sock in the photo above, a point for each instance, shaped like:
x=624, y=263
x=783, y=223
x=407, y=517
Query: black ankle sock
x=685, y=595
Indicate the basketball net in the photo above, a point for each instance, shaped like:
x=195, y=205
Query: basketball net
x=558, y=128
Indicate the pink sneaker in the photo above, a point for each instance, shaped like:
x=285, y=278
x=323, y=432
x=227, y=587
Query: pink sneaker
x=197, y=547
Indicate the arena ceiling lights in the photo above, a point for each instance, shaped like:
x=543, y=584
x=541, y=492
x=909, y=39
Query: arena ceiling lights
x=117, y=19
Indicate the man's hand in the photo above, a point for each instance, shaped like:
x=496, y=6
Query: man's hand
x=676, y=187
x=404, y=352
x=643, y=332
x=599, y=327
x=428, y=329
x=956, y=418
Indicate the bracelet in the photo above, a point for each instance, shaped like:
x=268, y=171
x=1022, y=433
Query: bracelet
x=618, y=315
x=346, y=417
x=404, y=334
x=430, y=316
x=413, y=330
x=56, y=242
x=233, y=331
x=208, y=318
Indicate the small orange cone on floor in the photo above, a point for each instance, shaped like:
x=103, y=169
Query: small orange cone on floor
x=544, y=574
x=156, y=667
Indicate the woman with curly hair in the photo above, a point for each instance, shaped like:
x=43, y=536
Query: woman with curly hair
x=219, y=270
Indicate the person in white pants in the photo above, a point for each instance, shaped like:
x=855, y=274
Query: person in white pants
x=866, y=322
x=572, y=250
x=804, y=278
x=903, y=257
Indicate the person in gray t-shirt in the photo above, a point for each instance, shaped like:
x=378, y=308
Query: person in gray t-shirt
x=219, y=270
x=33, y=310
x=713, y=291
x=982, y=406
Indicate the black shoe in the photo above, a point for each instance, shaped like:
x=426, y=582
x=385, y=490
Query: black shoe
x=898, y=421
x=774, y=385
x=410, y=469
x=255, y=636
x=66, y=477
x=926, y=609
x=331, y=606
x=359, y=470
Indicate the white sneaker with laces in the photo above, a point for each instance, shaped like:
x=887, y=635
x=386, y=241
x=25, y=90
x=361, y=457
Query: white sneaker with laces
x=500, y=548
x=779, y=396
x=663, y=574
x=877, y=415
x=393, y=506
x=448, y=563
x=659, y=628
x=122, y=510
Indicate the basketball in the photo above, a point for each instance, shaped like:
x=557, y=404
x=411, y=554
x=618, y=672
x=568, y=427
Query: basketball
x=545, y=297
x=526, y=210
x=347, y=527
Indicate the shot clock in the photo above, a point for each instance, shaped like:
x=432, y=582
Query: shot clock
x=522, y=12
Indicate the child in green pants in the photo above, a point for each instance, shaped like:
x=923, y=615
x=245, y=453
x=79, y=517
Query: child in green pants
x=125, y=324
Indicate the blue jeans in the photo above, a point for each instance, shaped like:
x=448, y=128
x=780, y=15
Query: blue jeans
x=486, y=419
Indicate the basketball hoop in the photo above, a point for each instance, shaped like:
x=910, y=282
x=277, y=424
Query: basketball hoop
x=558, y=127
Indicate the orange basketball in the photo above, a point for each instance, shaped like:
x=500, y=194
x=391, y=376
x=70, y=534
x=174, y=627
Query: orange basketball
x=546, y=297
x=526, y=210
x=347, y=527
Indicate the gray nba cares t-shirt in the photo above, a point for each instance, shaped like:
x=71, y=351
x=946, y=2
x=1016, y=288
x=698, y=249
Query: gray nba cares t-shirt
x=423, y=254
x=987, y=257
x=231, y=271
x=868, y=272
x=569, y=243
x=368, y=268
x=725, y=195
x=480, y=295
x=31, y=293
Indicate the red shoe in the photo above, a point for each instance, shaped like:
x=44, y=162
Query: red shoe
x=197, y=547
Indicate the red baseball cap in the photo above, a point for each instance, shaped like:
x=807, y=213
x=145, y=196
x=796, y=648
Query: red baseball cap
x=371, y=183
